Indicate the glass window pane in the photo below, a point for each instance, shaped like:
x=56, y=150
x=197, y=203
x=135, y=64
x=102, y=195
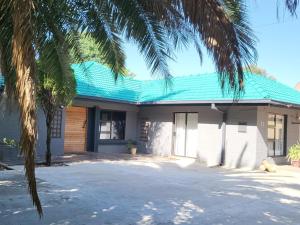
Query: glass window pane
x=112, y=125
x=270, y=148
x=271, y=120
x=104, y=130
x=105, y=116
x=118, y=125
x=279, y=135
x=276, y=132
x=105, y=125
x=271, y=134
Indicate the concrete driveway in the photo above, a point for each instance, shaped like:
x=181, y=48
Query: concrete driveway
x=153, y=191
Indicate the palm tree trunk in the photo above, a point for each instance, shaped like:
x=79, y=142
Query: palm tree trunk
x=48, y=140
x=24, y=62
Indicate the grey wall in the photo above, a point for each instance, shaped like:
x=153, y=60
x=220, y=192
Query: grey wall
x=57, y=144
x=10, y=128
x=9, y=122
x=242, y=149
x=161, y=131
x=241, y=146
x=262, y=125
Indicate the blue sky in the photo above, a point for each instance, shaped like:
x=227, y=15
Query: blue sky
x=278, y=47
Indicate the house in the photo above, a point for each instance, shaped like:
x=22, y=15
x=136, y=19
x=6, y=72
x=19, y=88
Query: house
x=192, y=117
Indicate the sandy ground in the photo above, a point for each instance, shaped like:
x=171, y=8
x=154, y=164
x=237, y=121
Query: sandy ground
x=149, y=192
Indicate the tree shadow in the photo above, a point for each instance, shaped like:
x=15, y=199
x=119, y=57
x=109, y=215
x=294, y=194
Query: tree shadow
x=151, y=192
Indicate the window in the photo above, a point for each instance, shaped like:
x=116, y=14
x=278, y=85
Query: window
x=276, y=135
x=145, y=126
x=56, y=124
x=112, y=125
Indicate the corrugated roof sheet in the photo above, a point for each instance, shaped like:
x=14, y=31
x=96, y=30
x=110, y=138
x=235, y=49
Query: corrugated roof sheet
x=96, y=80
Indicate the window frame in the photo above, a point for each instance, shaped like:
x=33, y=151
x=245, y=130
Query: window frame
x=285, y=121
x=111, y=124
x=56, y=124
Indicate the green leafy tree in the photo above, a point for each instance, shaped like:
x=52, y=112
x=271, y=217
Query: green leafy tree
x=156, y=27
x=90, y=50
x=54, y=92
x=259, y=71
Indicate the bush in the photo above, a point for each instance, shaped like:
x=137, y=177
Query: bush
x=9, y=142
x=131, y=144
x=294, y=152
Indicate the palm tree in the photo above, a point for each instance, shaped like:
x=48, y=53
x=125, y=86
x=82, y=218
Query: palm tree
x=292, y=5
x=158, y=27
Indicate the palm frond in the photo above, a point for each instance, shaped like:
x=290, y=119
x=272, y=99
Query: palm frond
x=99, y=24
x=224, y=30
x=292, y=5
x=141, y=26
x=46, y=31
x=23, y=59
x=6, y=32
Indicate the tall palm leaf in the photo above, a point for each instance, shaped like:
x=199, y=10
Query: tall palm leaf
x=158, y=27
x=23, y=58
x=292, y=5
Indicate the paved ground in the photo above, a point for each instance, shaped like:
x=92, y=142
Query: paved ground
x=151, y=192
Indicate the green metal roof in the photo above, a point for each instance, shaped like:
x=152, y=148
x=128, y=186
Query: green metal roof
x=1, y=80
x=97, y=81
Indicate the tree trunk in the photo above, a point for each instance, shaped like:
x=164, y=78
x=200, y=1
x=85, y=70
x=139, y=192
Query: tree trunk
x=49, y=119
x=24, y=62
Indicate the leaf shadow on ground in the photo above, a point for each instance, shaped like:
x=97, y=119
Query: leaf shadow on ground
x=151, y=192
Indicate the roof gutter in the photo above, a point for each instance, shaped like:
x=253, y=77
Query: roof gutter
x=91, y=98
x=190, y=102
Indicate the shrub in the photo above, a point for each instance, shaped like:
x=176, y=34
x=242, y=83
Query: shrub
x=294, y=152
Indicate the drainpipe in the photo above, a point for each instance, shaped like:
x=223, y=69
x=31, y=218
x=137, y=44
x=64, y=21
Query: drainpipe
x=224, y=119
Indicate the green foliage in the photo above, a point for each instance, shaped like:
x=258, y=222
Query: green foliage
x=56, y=85
x=55, y=91
x=259, y=71
x=131, y=144
x=90, y=50
x=46, y=31
x=56, y=80
x=294, y=152
x=10, y=142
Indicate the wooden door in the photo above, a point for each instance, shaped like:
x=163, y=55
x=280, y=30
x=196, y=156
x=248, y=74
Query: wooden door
x=75, y=129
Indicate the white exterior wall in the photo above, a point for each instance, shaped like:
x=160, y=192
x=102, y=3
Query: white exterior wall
x=262, y=125
x=240, y=148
